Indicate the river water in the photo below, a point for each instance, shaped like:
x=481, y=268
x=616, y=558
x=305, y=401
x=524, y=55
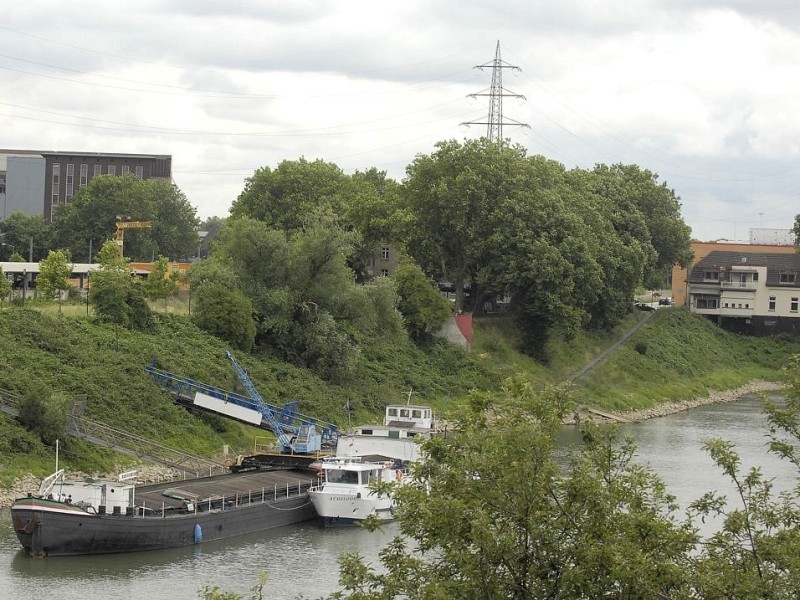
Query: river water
x=301, y=560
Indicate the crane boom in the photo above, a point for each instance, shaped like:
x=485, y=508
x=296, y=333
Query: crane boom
x=303, y=440
x=123, y=225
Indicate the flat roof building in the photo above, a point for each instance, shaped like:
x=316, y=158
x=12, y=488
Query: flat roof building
x=36, y=181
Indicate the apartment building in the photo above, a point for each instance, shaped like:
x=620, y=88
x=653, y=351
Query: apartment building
x=34, y=182
x=747, y=292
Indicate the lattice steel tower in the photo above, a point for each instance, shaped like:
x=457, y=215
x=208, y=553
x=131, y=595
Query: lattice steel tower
x=494, y=126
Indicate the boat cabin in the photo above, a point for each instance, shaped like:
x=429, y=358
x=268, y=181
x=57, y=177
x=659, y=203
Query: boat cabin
x=396, y=437
x=115, y=497
x=409, y=416
x=351, y=471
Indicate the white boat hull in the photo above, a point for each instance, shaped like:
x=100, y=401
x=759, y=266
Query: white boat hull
x=346, y=507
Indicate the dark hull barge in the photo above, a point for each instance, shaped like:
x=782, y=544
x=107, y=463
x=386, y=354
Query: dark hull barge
x=166, y=515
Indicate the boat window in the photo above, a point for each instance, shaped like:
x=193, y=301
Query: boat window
x=404, y=412
x=335, y=476
x=366, y=432
x=417, y=414
x=393, y=433
x=392, y=412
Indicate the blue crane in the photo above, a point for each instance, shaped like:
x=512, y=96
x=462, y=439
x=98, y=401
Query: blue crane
x=303, y=439
x=296, y=433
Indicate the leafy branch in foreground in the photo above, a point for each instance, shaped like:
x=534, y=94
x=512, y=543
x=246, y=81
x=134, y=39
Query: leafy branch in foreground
x=492, y=514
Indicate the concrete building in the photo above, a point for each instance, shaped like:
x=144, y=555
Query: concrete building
x=35, y=182
x=21, y=184
x=748, y=292
x=702, y=249
x=774, y=237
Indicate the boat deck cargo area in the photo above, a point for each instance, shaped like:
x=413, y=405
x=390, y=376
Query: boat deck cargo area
x=172, y=494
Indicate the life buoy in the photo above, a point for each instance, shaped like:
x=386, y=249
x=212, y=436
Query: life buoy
x=399, y=475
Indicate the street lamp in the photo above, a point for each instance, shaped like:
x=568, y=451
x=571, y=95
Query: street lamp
x=8, y=246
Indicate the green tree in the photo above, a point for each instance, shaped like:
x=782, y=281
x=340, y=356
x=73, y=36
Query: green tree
x=44, y=414
x=668, y=234
x=796, y=230
x=25, y=233
x=54, y=272
x=306, y=305
x=94, y=211
x=175, y=220
x=452, y=195
x=754, y=554
x=491, y=514
x=162, y=281
x=423, y=307
x=283, y=198
x=225, y=313
x=5, y=287
x=116, y=296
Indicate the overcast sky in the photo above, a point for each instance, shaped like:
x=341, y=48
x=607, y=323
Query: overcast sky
x=703, y=93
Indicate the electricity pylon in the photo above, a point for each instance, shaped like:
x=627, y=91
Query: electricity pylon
x=494, y=126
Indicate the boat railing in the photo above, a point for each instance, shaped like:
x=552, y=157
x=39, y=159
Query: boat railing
x=227, y=501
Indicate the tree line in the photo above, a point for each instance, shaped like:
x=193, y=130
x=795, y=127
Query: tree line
x=291, y=270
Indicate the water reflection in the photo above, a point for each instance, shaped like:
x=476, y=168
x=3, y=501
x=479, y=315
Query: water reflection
x=299, y=560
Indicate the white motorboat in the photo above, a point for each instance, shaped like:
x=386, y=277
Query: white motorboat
x=367, y=454
x=345, y=495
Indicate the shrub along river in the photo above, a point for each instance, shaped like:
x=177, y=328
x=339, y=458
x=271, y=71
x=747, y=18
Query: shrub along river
x=302, y=559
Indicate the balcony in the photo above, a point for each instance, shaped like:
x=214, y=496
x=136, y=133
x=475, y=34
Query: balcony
x=749, y=286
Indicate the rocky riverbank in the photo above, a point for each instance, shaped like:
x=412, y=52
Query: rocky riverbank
x=713, y=397
x=668, y=408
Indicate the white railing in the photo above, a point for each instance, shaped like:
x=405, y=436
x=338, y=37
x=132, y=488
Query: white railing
x=739, y=285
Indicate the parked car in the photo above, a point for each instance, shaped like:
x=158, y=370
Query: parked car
x=645, y=307
x=665, y=301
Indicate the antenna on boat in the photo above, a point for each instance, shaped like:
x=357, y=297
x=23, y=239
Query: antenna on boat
x=349, y=412
x=56, y=454
x=408, y=396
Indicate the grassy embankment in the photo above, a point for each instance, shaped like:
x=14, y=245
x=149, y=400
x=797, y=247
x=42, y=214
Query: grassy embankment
x=674, y=356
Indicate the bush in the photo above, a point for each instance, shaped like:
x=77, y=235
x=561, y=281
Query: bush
x=641, y=348
x=48, y=419
x=225, y=313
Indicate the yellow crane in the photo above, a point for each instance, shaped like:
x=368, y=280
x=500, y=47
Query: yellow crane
x=123, y=225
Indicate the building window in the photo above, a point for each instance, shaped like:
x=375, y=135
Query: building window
x=787, y=277
x=772, y=303
x=84, y=176
x=793, y=305
x=384, y=272
x=385, y=253
x=69, y=183
x=112, y=170
x=139, y=171
x=711, y=276
x=125, y=169
x=56, y=183
x=97, y=170
x=707, y=302
x=755, y=276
